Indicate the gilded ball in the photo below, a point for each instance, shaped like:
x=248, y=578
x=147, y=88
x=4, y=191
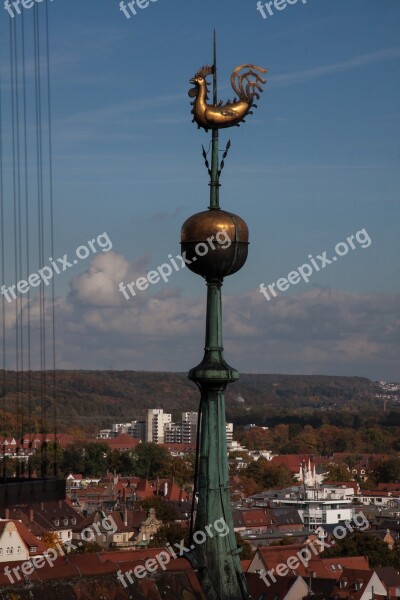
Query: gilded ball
x=216, y=242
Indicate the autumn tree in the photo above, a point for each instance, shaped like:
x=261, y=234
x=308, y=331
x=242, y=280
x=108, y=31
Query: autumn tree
x=246, y=553
x=388, y=471
x=165, y=511
x=269, y=475
x=151, y=460
x=172, y=534
x=364, y=544
x=338, y=472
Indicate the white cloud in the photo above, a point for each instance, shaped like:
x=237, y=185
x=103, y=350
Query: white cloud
x=321, y=331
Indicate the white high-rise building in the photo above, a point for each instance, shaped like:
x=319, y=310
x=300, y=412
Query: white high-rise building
x=189, y=427
x=229, y=434
x=173, y=433
x=137, y=429
x=155, y=425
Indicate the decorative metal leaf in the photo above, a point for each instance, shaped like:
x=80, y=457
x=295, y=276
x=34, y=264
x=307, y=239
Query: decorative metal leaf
x=225, y=154
x=206, y=161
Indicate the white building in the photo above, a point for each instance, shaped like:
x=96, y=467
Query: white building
x=12, y=546
x=189, y=427
x=229, y=434
x=137, y=429
x=156, y=421
x=317, y=506
x=173, y=433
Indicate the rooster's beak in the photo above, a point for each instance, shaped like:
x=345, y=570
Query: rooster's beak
x=192, y=81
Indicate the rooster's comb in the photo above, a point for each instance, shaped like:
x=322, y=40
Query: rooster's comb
x=204, y=71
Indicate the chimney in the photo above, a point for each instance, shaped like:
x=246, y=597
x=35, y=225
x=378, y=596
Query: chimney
x=125, y=516
x=7, y=514
x=165, y=489
x=30, y=515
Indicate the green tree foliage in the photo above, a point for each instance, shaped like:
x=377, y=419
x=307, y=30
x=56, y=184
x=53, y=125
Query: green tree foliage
x=285, y=541
x=364, y=544
x=151, y=460
x=122, y=463
x=165, y=511
x=46, y=457
x=172, y=533
x=95, y=463
x=178, y=468
x=388, y=471
x=73, y=460
x=338, y=472
x=246, y=552
x=269, y=475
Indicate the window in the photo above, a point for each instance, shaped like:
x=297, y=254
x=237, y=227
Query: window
x=19, y=550
x=56, y=522
x=339, y=516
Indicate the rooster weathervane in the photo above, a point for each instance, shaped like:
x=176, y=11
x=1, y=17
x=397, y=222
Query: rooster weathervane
x=246, y=82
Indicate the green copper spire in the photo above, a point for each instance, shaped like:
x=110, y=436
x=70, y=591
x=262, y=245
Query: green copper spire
x=214, y=549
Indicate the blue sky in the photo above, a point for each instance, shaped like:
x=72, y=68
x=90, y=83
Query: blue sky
x=317, y=162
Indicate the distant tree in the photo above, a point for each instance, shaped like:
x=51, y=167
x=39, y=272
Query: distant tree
x=95, y=463
x=10, y=466
x=375, y=439
x=178, y=468
x=122, y=463
x=165, y=511
x=73, y=460
x=50, y=539
x=151, y=460
x=172, y=534
x=269, y=475
x=246, y=552
x=285, y=541
x=352, y=459
x=388, y=471
x=307, y=441
x=363, y=544
x=338, y=472
x=249, y=487
x=87, y=548
x=255, y=471
x=46, y=457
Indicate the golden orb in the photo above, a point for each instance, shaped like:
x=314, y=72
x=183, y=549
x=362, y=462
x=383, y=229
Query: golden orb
x=215, y=242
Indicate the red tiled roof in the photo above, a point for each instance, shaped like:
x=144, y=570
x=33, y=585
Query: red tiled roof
x=245, y=565
x=254, y=517
x=273, y=555
x=180, y=447
x=144, y=489
x=348, y=562
x=30, y=540
x=122, y=441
